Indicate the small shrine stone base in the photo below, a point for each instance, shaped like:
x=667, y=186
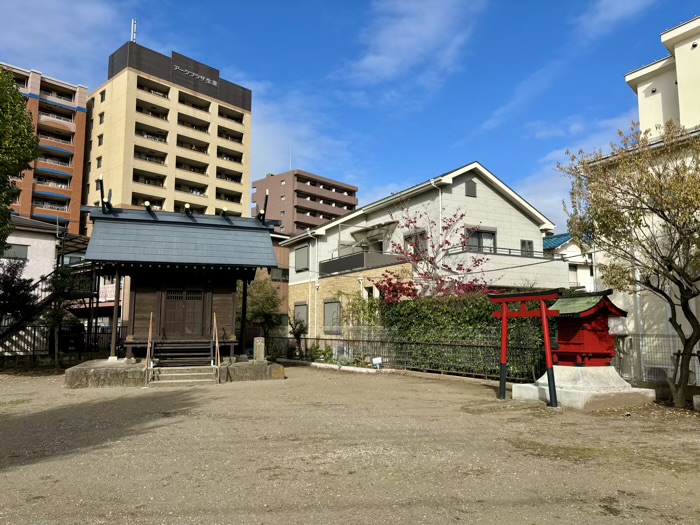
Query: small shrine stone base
x=587, y=389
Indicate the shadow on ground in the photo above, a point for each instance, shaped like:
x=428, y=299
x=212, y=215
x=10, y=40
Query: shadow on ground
x=27, y=438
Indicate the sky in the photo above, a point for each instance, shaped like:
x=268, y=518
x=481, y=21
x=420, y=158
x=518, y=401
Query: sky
x=384, y=94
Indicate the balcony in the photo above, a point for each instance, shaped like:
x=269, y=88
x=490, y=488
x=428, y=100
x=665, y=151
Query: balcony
x=55, y=116
x=55, y=137
x=186, y=121
x=327, y=195
x=231, y=115
x=230, y=156
x=192, y=145
x=149, y=158
x=157, y=204
x=49, y=205
x=229, y=176
x=152, y=91
x=140, y=177
x=155, y=114
x=231, y=135
x=193, y=102
x=157, y=136
x=357, y=261
x=54, y=160
x=56, y=94
x=193, y=168
x=54, y=183
x=186, y=186
x=228, y=196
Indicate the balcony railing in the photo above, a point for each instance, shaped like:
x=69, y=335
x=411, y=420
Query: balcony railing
x=229, y=178
x=194, y=106
x=152, y=91
x=229, y=117
x=192, y=191
x=356, y=261
x=49, y=205
x=54, y=138
x=231, y=138
x=238, y=160
x=149, y=136
x=51, y=160
x=150, y=158
x=193, y=147
x=201, y=129
x=55, y=95
x=149, y=181
x=228, y=198
x=193, y=169
x=153, y=114
x=503, y=251
x=55, y=116
x=52, y=182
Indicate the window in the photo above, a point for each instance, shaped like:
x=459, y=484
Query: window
x=301, y=259
x=280, y=275
x=102, y=118
x=417, y=241
x=283, y=213
x=527, y=248
x=15, y=251
x=369, y=291
x=103, y=95
x=282, y=228
x=331, y=316
x=282, y=197
x=99, y=162
x=100, y=140
x=480, y=241
x=283, y=183
x=301, y=312
x=470, y=190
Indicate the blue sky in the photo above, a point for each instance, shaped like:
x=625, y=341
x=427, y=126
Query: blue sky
x=386, y=93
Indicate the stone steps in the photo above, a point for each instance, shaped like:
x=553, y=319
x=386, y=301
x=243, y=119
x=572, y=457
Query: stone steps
x=180, y=375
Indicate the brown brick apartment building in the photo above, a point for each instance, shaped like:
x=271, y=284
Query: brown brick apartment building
x=303, y=200
x=51, y=191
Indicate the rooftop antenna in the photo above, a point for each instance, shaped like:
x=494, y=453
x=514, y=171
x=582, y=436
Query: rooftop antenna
x=133, y=30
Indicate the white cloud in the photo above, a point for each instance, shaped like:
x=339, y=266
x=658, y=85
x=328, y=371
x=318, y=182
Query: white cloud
x=568, y=127
x=66, y=40
x=546, y=188
x=602, y=16
x=423, y=39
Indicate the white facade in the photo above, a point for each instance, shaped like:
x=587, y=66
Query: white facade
x=41, y=250
x=495, y=209
x=670, y=88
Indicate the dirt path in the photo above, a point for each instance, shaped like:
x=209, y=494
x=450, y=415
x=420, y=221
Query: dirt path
x=327, y=447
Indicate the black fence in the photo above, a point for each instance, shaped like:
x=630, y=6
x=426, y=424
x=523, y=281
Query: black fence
x=476, y=360
x=38, y=340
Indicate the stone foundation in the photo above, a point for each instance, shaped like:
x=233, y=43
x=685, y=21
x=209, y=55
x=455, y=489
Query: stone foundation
x=586, y=388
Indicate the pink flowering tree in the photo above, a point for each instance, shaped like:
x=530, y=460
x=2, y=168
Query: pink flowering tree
x=438, y=251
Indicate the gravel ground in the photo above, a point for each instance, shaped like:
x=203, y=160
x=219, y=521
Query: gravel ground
x=332, y=447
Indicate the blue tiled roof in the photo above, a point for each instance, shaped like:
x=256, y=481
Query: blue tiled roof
x=52, y=172
x=554, y=241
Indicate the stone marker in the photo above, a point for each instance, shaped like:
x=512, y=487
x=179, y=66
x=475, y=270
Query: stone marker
x=696, y=403
x=259, y=349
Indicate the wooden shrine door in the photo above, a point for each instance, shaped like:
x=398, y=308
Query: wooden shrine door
x=184, y=313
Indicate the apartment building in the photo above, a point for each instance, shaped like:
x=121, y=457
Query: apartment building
x=170, y=132
x=51, y=190
x=302, y=200
x=668, y=88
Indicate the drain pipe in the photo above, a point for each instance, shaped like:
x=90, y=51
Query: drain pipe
x=432, y=182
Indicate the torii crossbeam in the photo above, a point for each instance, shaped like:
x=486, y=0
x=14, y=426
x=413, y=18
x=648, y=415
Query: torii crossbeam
x=543, y=312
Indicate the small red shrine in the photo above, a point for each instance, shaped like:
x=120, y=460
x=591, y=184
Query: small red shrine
x=584, y=338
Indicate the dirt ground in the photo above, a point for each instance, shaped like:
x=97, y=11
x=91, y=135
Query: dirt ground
x=330, y=447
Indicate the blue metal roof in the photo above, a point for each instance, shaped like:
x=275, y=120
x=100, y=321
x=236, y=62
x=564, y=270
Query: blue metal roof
x=52, y=172
x=139, y=236
x=52, y=195
x=555, y=241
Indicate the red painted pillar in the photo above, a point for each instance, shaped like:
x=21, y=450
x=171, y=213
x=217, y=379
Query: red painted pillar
x=504, y=351
x=548, y=355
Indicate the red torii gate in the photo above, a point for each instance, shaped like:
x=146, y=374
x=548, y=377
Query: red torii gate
x=543, y=312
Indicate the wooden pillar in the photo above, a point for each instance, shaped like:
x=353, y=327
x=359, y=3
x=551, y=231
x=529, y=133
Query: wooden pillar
x=115, y=314
x=548, y=355
x=504, y=351
x=233, y=320
x=244, y=311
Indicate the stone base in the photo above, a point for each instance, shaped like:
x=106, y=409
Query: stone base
x=586, y=388
x=104, y=373
x=251, y=371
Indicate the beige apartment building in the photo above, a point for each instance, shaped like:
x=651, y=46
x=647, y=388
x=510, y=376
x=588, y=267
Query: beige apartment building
x=51, y=190
x=169, y=132
x=668, y=88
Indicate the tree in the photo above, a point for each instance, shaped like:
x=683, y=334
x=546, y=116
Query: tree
x=264, y=304
x=435, y=249
x=18, y=147
x=297, y=328
x=639, y=206
x=16, y=297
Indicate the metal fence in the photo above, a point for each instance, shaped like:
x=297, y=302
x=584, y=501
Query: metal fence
x=38, y=340
x=651, y=358
x=476, y=360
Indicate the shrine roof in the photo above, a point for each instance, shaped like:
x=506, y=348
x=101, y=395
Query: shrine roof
x=578, y=305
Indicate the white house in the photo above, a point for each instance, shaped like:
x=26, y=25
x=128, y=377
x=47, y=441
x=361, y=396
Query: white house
x=348, y=252
x=34, y=242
